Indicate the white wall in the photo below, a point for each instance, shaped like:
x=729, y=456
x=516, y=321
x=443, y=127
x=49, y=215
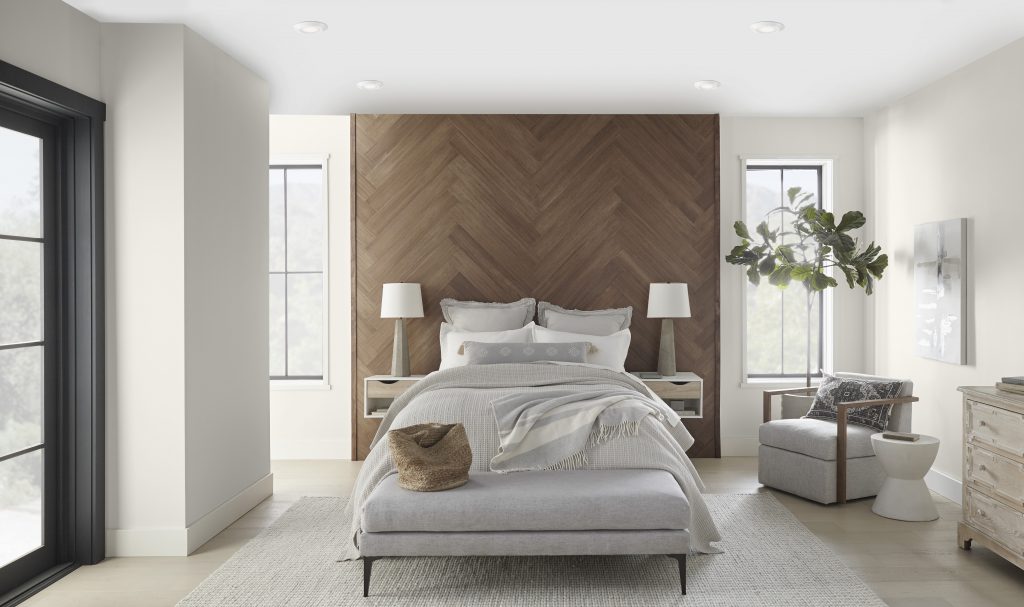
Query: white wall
x=187, y=407
x=953, y=149
x=143, y=84
x=225, y=251
x=52, y=40
x=840, y=139
x=315, y=423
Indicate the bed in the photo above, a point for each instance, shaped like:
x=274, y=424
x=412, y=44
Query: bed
x=629, y=493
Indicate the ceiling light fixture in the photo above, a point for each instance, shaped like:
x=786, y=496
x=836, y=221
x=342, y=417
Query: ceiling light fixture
x=767, y=27
x=370, y=85
x=706, y=85
x=310, y=27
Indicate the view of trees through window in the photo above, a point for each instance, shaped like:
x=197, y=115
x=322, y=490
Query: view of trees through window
x=21, y=349
x=776, y=319
x=297, y=225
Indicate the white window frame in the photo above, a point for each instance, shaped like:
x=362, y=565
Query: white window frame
x=324, y=162
x=828, y=203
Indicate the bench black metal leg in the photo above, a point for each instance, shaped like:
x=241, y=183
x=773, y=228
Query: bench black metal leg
x=367, y=567
x=682, y=570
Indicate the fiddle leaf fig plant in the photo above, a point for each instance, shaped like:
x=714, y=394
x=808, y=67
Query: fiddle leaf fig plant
x=806, y=249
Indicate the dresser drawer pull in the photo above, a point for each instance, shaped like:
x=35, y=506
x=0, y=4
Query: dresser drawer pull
x=980, y=512
x=982, y=468
x=982, y=423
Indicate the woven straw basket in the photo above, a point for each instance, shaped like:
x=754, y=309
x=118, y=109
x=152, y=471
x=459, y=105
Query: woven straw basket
x=431, y=457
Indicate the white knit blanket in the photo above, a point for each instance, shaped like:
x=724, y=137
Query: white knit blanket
x=554, y=430
x=463, y=395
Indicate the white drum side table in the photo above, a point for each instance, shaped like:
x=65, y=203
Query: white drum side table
x=904, y=496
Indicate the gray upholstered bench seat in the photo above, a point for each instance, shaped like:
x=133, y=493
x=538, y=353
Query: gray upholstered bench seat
x=584, y=500
x=582, y=512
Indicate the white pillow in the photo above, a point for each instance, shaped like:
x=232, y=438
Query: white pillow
x=608, y=350
x=452, y=340
x=481, y=316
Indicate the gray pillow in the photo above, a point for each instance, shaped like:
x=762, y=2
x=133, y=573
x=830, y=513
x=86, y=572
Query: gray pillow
x=480, y=316
x=480, y=353
x=842, y=390
x=588, y=322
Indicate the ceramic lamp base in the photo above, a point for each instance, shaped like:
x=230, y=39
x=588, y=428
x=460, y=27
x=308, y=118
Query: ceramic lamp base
x=400, y=351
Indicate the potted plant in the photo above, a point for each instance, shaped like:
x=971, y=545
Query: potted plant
x=808, y=250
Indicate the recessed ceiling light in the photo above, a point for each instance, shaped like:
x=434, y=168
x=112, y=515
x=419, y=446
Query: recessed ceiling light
x=706, y=85
x=310, y=27
x=767, y=27
x=370, y=85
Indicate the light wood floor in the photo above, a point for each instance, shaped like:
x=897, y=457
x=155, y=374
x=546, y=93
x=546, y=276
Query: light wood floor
x=907, y=564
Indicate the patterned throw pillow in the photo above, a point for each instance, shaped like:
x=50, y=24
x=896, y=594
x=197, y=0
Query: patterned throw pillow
x=479, y=353
x=842, y=390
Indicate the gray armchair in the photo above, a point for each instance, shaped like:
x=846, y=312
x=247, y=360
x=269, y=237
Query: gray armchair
x=822, y=460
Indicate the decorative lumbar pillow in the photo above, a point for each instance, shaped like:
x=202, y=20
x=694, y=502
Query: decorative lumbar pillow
x=479, y=353
x=844, y=390
x=452, y=340
x=587, y=322
x=608, y=350
x=431, y=457
x=480, y=316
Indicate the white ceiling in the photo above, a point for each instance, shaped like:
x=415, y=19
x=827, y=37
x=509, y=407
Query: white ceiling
x=835, y=57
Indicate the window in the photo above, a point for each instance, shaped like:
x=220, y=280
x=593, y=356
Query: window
x=776, y=320
x=298, y=271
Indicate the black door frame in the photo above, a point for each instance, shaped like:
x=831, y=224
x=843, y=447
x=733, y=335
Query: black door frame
x=78, y=246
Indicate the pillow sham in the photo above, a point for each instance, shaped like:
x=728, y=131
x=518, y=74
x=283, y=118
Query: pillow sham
x=608, y=350
x=844, y=390
x=478, y=353
x=480, y=316
x=452, y=340
x=588, y=322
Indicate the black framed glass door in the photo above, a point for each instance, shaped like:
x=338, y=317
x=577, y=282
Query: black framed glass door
x=29, y=444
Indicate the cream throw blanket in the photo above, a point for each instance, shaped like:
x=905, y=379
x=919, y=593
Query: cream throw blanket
x=554, y=430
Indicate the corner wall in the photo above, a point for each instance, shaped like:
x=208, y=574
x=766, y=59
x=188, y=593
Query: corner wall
x=317, y=423
x=840, y=139
x=953, y=149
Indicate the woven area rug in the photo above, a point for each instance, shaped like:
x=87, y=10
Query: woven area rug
x=770, y=559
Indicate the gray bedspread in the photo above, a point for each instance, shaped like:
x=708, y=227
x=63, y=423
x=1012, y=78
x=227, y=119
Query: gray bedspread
x=463, y=395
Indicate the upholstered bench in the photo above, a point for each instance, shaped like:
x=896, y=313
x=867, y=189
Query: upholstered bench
x=583, y=512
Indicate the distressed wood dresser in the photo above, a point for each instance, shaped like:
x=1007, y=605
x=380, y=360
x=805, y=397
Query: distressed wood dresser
x=993, y=473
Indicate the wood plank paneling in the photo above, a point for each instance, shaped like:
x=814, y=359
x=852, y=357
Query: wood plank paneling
x=584, y=211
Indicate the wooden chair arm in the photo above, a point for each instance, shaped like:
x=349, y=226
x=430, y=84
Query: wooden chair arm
x=842, y=411
x=768, y=394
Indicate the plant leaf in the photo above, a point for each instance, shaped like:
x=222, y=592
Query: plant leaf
x=878, y=266
x=851, y=221
x=762, y=229
x=753, y=275
x=781, y=276
x=741, y=230
x=767, y=265
x=851, y=275
x=802, y=271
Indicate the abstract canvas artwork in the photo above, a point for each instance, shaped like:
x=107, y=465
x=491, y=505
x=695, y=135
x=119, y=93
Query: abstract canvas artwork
x=940, y=290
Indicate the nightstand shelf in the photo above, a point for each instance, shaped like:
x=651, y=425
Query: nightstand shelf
x=379, y=391
x=684, y=392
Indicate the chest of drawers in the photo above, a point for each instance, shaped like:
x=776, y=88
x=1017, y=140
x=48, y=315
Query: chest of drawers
x=993, y=472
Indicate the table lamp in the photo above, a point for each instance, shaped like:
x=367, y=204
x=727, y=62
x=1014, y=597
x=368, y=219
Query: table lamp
x=668, y=300
x=401, y=300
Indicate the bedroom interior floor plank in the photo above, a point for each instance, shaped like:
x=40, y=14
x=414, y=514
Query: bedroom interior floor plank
x=907, y=564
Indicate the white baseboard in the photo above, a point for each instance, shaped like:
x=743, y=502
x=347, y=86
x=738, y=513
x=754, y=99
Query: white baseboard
x=739, y=446
x=219, y=518
x=945, y=485
x=185, y=540
x=310, y=449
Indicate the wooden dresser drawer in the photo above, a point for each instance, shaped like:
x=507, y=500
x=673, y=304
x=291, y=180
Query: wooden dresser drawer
x=390, y=388
x=996, y=475
x=681, y=390
x=998, y=520
x=996, y=429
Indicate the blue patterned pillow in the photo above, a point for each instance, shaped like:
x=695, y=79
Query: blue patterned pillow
x=480, y=353
x=843, y=390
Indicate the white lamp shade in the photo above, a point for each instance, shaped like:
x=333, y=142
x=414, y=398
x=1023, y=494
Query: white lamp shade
x=668, y=300
x=401, y=300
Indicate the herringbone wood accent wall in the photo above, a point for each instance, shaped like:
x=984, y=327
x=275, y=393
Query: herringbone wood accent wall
x=582, y=211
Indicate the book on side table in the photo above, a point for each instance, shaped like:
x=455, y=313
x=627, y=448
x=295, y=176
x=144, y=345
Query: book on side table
x=903, y=436
x=1010, y=387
